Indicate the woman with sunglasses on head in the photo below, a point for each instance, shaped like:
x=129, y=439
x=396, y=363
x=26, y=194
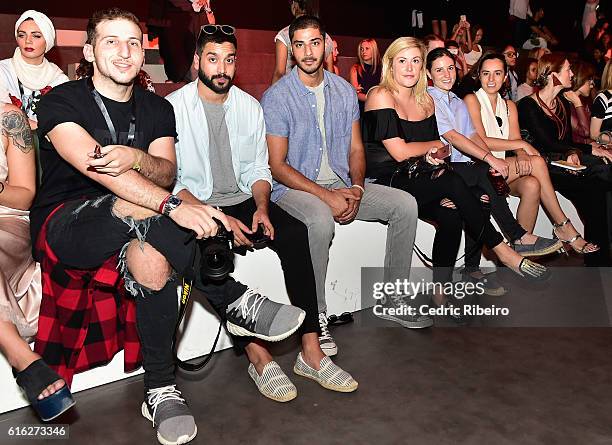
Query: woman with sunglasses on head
x=284, y=55
x=496, y=121
x=473, y=161
x=399, y=124
x=366, y=73
x=28, y=75
x=545, y=116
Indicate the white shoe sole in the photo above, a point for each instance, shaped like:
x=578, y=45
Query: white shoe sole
x=326, y=385
x=427, y=323
x=242, y=332
x=183, y=439
x=330, y=352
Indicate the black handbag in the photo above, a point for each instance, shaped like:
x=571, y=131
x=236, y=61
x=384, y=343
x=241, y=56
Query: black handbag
x=414, y=167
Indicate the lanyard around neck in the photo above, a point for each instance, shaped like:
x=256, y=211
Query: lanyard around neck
x=107, y=118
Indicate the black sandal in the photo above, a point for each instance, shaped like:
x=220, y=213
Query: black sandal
x=33, y=380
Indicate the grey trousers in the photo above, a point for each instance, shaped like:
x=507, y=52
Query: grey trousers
x=379, y=203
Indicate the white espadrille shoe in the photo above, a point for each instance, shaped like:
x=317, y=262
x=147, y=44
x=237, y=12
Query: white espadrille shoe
x=330, y=376
x=273, y=382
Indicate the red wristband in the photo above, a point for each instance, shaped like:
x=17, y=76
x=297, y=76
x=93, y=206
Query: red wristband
x=163, y=203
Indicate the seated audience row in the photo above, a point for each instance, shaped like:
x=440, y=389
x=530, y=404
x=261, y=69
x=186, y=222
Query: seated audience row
x=137, y=180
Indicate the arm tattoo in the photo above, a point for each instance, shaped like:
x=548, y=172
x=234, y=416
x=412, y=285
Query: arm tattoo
x=15, y=126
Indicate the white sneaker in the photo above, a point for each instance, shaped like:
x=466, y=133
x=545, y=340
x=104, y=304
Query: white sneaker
x=326, y=341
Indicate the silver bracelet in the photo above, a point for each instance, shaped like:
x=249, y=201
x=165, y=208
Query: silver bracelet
x=358, y=187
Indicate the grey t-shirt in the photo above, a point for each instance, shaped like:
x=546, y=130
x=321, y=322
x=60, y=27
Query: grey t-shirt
x=225, y=189
x=326, y=174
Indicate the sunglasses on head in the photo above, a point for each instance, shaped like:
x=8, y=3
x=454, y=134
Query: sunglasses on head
x=212, y=29
x=511, y=54
x=337, y=320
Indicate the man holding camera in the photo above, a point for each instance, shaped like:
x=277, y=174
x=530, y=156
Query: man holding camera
x=223, y=161
x=108, y=160
x=318, y=160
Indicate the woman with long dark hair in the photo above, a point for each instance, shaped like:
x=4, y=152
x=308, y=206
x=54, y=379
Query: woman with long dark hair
x=496, y=121
x=546, y=117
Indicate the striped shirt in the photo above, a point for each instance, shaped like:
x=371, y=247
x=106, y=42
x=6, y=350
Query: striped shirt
x=602, y=109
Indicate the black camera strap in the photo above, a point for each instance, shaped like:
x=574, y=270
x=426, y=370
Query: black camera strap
x=109, y=123
x=188, y=280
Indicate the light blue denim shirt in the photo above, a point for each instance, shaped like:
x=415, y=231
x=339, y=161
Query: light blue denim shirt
x=247, y=134
x=290, y=111
x=452, y=114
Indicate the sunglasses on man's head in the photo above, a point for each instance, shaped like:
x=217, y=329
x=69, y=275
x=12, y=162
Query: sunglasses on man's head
x=511, y=54
x=212, y=29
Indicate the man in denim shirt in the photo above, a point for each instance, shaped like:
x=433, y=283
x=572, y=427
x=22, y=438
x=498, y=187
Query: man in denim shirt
x=318, y=163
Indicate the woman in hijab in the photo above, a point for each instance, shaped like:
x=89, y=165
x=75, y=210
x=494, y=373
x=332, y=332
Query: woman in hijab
x=28, y=75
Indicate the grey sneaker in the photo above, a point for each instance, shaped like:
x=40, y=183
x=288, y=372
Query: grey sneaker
x=542, y=246
x=326, y=341
x=395, y=308
x=254, y=315
x=170, y=415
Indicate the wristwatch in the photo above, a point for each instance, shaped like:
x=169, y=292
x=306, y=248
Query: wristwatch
x=171, y=203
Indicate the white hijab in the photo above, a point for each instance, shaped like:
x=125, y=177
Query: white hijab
x=36, y=77
x=489, y=120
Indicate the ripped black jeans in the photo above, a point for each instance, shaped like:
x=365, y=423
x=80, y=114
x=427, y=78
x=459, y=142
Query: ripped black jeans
x=85, y=233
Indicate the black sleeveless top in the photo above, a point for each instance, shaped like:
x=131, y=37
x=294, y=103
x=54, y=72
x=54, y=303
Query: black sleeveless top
x=367, y=78
x=378, y=125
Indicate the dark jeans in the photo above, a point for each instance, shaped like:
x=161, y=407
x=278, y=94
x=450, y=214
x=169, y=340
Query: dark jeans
x=475, y=175
x=428, y=194
x=291, y=245
x=84, y=234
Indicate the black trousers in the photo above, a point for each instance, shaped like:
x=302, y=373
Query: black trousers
x=291, y=245
x=428, y=193
x=475, y=175
x=85, y=233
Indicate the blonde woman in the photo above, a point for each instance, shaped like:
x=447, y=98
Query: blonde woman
x=366, y=73
x=399, y=124
x=28, y=75
x=601, y=112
